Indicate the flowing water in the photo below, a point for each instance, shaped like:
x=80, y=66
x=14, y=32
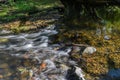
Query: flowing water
x=49, y=62
x=31, y=56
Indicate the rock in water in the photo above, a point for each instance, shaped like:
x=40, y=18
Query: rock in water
x=113, y=74
x=75, y=73
x=89, y=50
x=79, y=73
x=3, y=32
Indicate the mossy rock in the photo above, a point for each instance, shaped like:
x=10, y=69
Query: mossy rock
x=3, y=40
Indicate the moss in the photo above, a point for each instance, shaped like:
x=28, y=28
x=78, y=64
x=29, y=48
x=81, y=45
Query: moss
x=95, y=64
x=107, y=50
x=99, y=63
x=3, y=40
x=12, y=10
x=111, y=15
x=89, y=37
x=115, y=60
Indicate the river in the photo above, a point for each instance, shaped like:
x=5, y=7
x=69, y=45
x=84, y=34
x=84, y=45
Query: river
x=50, y=62
x=31, y=56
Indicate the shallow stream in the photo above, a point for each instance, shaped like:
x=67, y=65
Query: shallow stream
x=49, y=61
x=31, y=56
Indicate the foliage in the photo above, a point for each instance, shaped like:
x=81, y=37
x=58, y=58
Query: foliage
x=114, y=60
x=107, y=55
x=110, y=13
x=99, y=63
x=95, y=64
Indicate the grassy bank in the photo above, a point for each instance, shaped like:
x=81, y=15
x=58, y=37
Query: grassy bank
x=21, y=8
x=25, y=15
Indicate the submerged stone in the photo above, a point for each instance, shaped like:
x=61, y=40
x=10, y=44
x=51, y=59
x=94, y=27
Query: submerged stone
x=113, y=74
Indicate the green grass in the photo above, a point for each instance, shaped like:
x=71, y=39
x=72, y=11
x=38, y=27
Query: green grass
x=111, y=15
x=20, y=8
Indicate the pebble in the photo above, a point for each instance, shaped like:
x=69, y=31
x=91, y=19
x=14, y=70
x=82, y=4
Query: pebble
x=106, y=37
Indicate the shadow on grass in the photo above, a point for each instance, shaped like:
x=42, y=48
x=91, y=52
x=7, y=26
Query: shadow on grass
x=24, y=10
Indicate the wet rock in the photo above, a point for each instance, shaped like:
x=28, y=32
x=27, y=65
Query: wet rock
x=64, y=53
x=89, y=50
x=106, y=37
x=113, y=74
x=74, y=73
x=71, y=75
x=73, y=63
x=79, y=73
x=77, y=50
x=5, y=32
x=51, y=27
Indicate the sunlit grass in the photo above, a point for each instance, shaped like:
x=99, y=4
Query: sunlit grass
x=14, y=9
x=3, y=13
